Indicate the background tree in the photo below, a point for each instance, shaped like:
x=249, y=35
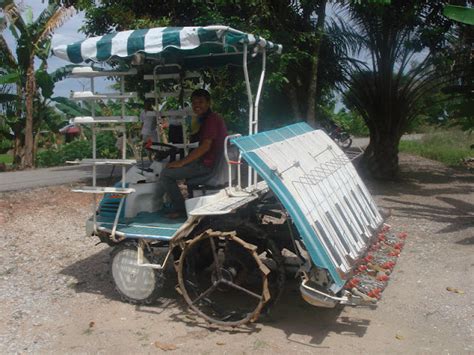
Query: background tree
x=404, y=42
x=294, y=78
x=460, y=58
x=33, y=41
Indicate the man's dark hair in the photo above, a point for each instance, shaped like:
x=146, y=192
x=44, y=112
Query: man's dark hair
x=201, y=93
x=148, y=103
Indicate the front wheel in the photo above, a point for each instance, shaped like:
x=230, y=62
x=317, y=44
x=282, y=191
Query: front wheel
x=135, y=284
x=344, y=141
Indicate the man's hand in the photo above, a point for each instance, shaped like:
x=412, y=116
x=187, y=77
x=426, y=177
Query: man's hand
x=194, y=155
x=175, y=164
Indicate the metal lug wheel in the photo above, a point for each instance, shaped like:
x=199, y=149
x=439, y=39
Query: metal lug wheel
x=223, y=279
x=135, y=284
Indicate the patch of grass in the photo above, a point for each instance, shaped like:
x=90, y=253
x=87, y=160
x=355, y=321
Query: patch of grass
x=449, y=147
x=259, y=344
x=88, y=331
x=6, y=159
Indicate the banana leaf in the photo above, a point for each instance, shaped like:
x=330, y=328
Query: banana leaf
x=459, y=14
x=7, y=98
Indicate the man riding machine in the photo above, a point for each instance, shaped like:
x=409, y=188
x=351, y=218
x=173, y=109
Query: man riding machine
x=301, y=198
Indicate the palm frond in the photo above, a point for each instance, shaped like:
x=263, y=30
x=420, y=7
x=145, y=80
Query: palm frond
x=50, y=19
x=7, y=98
x=6, y=56
x=62, y=73
x=10, y=78
x=70, y=107
x=10, y=10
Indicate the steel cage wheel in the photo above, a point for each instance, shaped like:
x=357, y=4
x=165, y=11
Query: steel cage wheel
x=222, y=278
x=135, y=284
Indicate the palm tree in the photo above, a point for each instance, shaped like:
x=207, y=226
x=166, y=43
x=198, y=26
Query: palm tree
x=33, y=41
x=388, y=91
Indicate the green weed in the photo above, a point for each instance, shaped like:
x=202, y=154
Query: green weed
x=6, y=159
x=449, y=147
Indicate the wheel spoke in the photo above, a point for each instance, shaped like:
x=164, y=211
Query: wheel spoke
x=236, y=287
x=206, y=293
x=216, y=259
x=240, y=288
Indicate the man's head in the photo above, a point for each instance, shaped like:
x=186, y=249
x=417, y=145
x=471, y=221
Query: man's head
x=201, y=101
x=148, y=105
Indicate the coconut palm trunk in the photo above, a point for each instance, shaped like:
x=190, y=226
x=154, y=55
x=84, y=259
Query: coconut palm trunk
x=313, y=83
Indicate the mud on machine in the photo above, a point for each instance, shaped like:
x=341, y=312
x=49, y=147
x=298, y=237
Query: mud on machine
x=298, y=208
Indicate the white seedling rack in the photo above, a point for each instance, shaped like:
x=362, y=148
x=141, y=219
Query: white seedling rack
x=116, y=123
x=177, y=78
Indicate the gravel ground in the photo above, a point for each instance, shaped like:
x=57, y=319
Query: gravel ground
x=56, y=294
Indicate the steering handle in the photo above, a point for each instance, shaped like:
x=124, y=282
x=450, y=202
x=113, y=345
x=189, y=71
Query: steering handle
x=153, y=146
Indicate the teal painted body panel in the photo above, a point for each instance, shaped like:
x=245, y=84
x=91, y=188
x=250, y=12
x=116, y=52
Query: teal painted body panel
x=318, y=186
x=145, y=225
x=246, y=145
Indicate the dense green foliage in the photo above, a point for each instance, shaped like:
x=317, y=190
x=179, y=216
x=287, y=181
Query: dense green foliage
x=418, y=66
x=6, y=159
x=351, y=122
x=295, y=81
x=77, y=150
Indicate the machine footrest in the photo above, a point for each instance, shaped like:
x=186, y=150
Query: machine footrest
x=103, y=162
x=104, y=190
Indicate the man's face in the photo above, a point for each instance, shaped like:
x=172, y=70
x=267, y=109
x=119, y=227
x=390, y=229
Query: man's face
x=200, y=105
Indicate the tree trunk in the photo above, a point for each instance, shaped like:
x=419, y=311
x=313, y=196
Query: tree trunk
x=313, y=81
x=311, y=111
x=30, y=92
x=35, y=144
x=17, y=151
x=381, y=156
x=295, y=106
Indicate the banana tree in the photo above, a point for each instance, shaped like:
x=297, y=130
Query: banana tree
x=12, y=103
x=460, y=14
x=33, y=41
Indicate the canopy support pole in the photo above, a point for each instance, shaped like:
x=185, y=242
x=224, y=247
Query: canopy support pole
x=94, y=156
x=251, y=106
x=257, y=101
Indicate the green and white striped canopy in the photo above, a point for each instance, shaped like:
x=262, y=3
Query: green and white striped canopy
x=191, y=46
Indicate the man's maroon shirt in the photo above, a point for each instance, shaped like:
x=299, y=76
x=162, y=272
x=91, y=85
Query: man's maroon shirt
x=213, y=127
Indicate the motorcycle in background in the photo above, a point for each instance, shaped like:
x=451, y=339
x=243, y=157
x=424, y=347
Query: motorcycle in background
x=337, y=134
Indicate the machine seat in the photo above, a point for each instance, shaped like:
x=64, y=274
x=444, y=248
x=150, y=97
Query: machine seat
x=217, y=179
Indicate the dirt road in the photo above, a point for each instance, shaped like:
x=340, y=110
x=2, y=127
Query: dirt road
x=58, y=175
x=56, y=295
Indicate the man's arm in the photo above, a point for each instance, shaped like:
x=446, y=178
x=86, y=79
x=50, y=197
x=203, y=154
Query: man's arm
x=194, y=155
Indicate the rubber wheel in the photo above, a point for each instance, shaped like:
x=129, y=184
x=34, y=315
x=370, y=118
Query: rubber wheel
x=344, y=141
x=135, y=284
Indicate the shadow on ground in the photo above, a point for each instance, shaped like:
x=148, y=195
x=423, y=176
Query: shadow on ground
x=445, y=193
x=291, y=314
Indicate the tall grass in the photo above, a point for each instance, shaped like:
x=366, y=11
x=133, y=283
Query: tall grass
x=449, y=146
